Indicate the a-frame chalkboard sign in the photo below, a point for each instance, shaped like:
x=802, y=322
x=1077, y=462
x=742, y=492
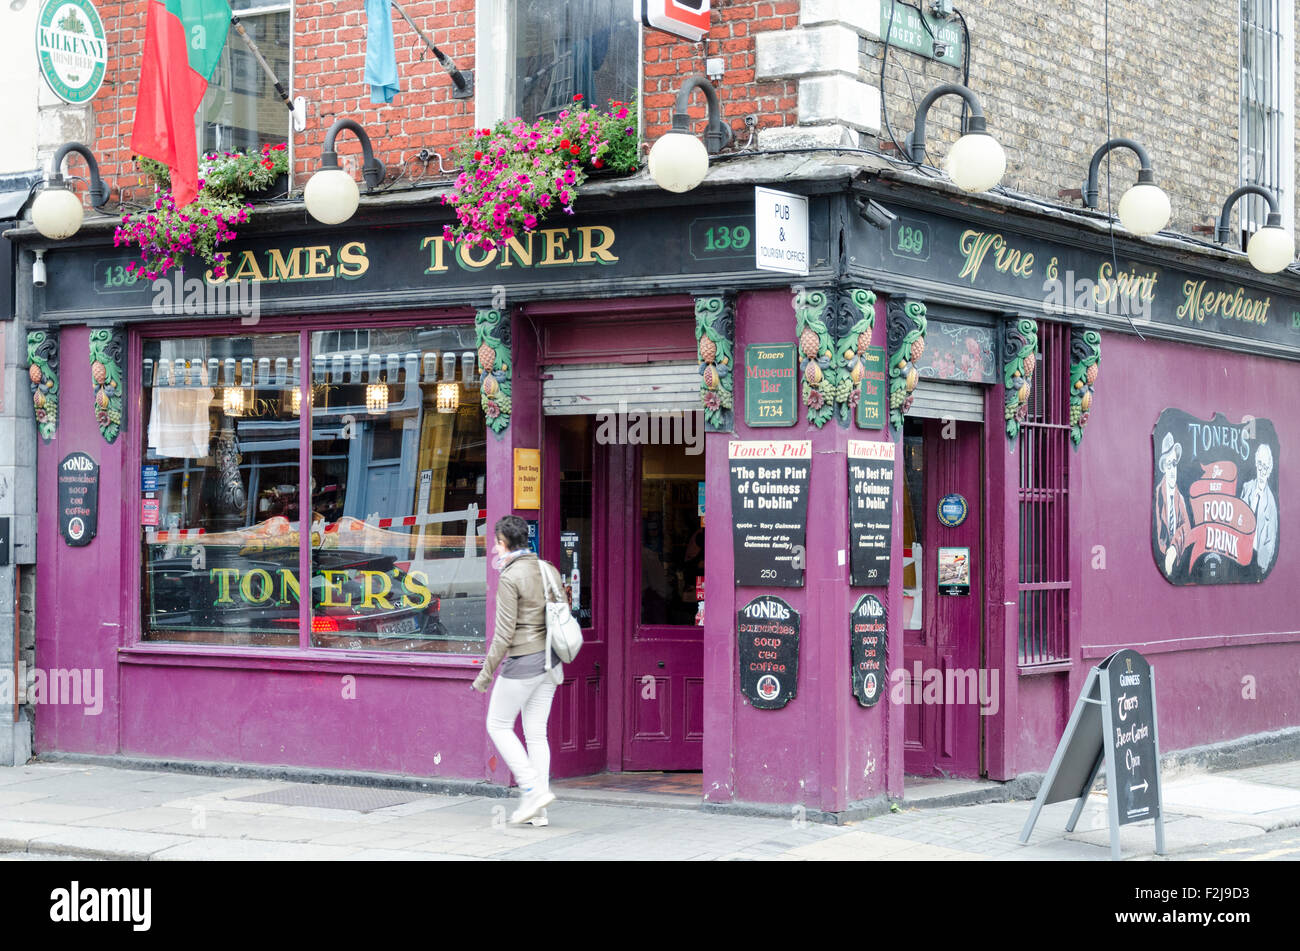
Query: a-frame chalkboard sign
x=1115, y=722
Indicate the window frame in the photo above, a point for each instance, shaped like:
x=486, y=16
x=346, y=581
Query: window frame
x=293, y=657
x=493, y=88
x=1280, y=153
x=267, y=9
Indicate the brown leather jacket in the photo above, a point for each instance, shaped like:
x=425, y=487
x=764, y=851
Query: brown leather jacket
x=521, y=616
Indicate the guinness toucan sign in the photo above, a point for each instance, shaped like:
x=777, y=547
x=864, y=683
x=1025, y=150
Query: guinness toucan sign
x=688, y=19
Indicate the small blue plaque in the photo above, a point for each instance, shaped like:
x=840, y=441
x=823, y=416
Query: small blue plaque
x=952, y=510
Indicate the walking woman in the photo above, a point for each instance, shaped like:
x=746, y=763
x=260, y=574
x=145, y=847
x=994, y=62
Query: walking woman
x=524, y=686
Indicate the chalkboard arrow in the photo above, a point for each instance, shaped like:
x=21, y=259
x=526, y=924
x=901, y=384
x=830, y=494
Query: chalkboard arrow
x=1143, y=787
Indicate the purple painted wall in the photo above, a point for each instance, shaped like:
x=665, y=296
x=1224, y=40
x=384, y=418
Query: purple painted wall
x=821, y=750
x=1201, y=640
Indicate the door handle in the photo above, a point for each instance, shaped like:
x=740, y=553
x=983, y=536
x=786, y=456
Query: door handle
x=661, y=663
x=596, y=666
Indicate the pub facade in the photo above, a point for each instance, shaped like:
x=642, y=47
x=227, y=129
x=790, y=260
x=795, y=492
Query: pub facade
x=929, y=511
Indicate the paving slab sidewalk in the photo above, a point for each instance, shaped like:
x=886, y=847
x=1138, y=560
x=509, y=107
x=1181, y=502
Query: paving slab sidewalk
x=94, y=811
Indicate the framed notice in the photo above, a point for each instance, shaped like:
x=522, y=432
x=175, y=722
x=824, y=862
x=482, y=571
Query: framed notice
x=771, y=385
x=528, y=478
x=78, y=481
x=767, y=630
x=769, y=510
x=873, y=391
x=954, y=572
x=871, y=508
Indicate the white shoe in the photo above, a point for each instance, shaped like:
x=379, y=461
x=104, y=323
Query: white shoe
x=539, y=820
x=532, y=803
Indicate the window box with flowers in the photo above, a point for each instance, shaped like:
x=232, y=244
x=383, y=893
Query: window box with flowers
x=167, y=235
x=514, y=175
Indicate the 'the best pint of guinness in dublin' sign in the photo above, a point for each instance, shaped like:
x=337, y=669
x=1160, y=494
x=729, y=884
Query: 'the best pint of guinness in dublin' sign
x=71, y=48
x=768, y=633
x=769, y=511
x=78, y=498
x=871, y=510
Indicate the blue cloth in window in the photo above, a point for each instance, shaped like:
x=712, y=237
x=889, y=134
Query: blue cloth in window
x=381, y=57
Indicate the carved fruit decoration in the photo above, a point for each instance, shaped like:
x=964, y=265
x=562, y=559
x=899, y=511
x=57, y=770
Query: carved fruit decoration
x=1031, y=361
x=711, y=378
x=708, y=349
x=864, y=341
x=808, y=342
x=813, y=374
x=490, y=385
x=912, y=377
x=1023, y=395
x=857, y=372
x=918, y=348
x=35, y=373
x=487, y=358
x=102, y=400
x=1085, y=402
x=98, y=373
x=1093, y=372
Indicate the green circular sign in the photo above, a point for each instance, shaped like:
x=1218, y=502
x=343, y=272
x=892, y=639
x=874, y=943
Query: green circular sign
x=72, y=50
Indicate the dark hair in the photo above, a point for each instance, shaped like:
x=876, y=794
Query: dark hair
x=514, y=530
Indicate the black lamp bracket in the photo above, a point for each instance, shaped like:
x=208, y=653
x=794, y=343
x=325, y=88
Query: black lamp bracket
x=98, y=191
x=718, y=135
x=372, y=170
x=1223, y=232
x=976, y=123
x=1091, y=189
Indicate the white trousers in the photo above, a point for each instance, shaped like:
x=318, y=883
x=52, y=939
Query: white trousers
x=532, y=697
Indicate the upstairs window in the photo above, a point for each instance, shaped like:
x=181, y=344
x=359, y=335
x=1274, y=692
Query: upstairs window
x=1267, y=104
x=241, y=110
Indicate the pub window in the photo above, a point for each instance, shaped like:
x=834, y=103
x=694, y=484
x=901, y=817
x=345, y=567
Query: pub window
x=241, y=110
x=390, y=515
x=1044, y=469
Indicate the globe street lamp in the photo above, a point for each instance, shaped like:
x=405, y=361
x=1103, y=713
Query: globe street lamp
x=58, y=212
x=331, y=194
x=679, y=161
x=1144, y=208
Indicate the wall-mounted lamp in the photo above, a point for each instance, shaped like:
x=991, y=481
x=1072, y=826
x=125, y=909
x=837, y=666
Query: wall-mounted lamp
x=331, y=194
x=448, y=397
x=976, y=162
x=1144, y=209
x=679, y=161
x=57, y=212
x=1270, y=249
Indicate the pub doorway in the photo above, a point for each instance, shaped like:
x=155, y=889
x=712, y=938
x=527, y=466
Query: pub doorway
x=622, y=520
x=943, y=598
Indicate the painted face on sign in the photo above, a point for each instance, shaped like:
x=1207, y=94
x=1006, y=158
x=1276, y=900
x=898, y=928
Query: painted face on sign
x=1171, y=474
x=1263, y=465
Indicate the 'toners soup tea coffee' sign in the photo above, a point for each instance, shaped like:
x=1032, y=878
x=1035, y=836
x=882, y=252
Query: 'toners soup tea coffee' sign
x=868, y=633
x=769, y=511
x=78, y=482
x=1215, y=499
x=768, y=633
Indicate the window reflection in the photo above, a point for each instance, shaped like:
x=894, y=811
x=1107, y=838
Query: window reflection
x=672, y=534
x=398, y=485
x=221, y=524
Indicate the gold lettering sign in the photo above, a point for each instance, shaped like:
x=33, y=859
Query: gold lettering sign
x=1198, y=303
x=550, y=247
x=976, y=245
x=311, y=263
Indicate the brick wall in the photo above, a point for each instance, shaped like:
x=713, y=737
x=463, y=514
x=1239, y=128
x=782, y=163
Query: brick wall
x=810, y=71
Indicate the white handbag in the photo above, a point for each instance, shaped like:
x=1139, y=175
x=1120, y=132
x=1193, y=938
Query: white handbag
x=563, y=633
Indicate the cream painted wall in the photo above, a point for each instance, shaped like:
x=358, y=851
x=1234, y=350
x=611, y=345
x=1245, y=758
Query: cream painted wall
x=22, y=84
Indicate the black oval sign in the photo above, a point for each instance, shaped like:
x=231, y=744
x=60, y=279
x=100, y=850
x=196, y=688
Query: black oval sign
x=768, y=633
x=78, y=498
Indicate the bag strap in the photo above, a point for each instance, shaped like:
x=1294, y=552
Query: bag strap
x=547, y=588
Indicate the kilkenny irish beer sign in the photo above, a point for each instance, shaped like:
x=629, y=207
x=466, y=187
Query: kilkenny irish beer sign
x=1215, y=498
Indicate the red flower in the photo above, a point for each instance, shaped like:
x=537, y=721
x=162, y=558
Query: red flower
x=478, y=156
x=597, y=164
x=575, y=150
x=564, y=143
x=578, y=98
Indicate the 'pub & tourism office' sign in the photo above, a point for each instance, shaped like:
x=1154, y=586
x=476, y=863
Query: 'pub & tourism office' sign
x=769, y=510
x=1215, y=499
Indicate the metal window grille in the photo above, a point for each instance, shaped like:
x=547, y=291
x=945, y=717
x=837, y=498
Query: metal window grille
x=1262, y=45
x=1044, y=451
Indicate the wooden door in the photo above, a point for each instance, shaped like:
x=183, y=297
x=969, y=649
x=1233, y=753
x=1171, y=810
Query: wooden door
x=942, y=640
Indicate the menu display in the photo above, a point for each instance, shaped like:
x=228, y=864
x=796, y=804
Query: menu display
x=78, y=481
x=871, y=507
x=867, y=648
x=768, y=632
x=1132, y=734
x=769, y=511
